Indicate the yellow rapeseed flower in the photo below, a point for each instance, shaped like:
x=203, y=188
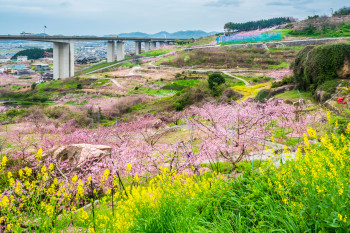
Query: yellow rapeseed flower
x=39, y=154
x=128, y=168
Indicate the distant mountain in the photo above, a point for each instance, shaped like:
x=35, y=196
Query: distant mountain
x=163, y=34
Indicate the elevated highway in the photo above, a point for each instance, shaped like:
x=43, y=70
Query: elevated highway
x=63, y=48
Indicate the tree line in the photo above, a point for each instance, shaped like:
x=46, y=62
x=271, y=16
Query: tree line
x=253, y=25
x=342, y=11
x=34, y=53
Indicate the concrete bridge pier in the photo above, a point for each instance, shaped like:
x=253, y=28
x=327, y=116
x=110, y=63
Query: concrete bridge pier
x=137, y=47
x=147, y=46
x=153, y=44
x=161, y=43
x=120, y=50
x=63, y=60
x=110, y=51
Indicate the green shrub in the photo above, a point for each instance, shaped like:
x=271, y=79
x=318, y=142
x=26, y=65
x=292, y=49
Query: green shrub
x=33, y=86
x=57, y=112
x=215, y=79
x=175, y=87
x=11, y=113
x=316, y=64
x=284, y=81
x=329, y=86
x=191, y=95
x=262, y=96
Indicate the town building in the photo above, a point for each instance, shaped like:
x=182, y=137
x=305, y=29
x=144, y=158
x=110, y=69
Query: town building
x=22, y=58
x=15, y=68
x=41, y=66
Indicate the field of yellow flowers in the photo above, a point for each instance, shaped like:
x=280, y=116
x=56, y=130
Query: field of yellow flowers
x=309, y=193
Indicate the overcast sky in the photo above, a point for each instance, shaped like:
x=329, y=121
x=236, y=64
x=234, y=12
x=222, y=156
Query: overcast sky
x=102, y=17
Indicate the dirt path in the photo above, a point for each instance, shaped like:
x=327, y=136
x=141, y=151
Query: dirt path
x=135, y=68
x=116, y=83
x=228, y=74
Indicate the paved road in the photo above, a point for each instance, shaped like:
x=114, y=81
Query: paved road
x=121, y=62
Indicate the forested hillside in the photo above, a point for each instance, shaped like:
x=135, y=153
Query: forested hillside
x=253, y=25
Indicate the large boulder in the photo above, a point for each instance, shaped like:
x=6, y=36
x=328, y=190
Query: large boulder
x=77, y=154
x=321, y=95
x=344, y=72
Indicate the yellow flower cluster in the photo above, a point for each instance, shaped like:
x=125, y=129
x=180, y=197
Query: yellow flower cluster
x=44, y=196
x=168, y=184
x=322, y=170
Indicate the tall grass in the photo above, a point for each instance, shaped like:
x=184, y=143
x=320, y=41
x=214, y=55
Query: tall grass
x=307, y=194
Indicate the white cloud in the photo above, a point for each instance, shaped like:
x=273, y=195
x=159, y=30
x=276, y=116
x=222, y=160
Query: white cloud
x=116, y=16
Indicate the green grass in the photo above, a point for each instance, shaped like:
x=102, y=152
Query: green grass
x=15, y=87
x=294, y=95
x=253, y=80
x=342, y=30
x=222, y=167
x=293, y=141
x=155, y=53
x=46, y=92
x=227, y=167
x=297, y=197
x=95, y=67
x=284, y=32
x=285, y=48
x=204, y=40
x=72, y=102
x=101, y=82
x=164, y=59
x=128, y=64
x=151, y=91
x=169, y=89
x=187, y=83
x=280, y=66
x=58, y=84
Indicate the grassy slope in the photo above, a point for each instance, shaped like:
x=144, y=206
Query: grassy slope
x=294, y=95
x=204, y=40
x=95, y=67
x=224, y=57
x=343, y=30
x=155, y=53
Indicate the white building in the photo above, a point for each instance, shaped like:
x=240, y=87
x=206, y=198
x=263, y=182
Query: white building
x=22, y=58
x=3, y=68
x=4, y=60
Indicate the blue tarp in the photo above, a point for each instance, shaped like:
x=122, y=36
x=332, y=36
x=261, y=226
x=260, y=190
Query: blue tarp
x=238, y=38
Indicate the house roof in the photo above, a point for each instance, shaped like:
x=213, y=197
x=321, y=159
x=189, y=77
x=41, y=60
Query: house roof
x=40, y=64
x=16, y=67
